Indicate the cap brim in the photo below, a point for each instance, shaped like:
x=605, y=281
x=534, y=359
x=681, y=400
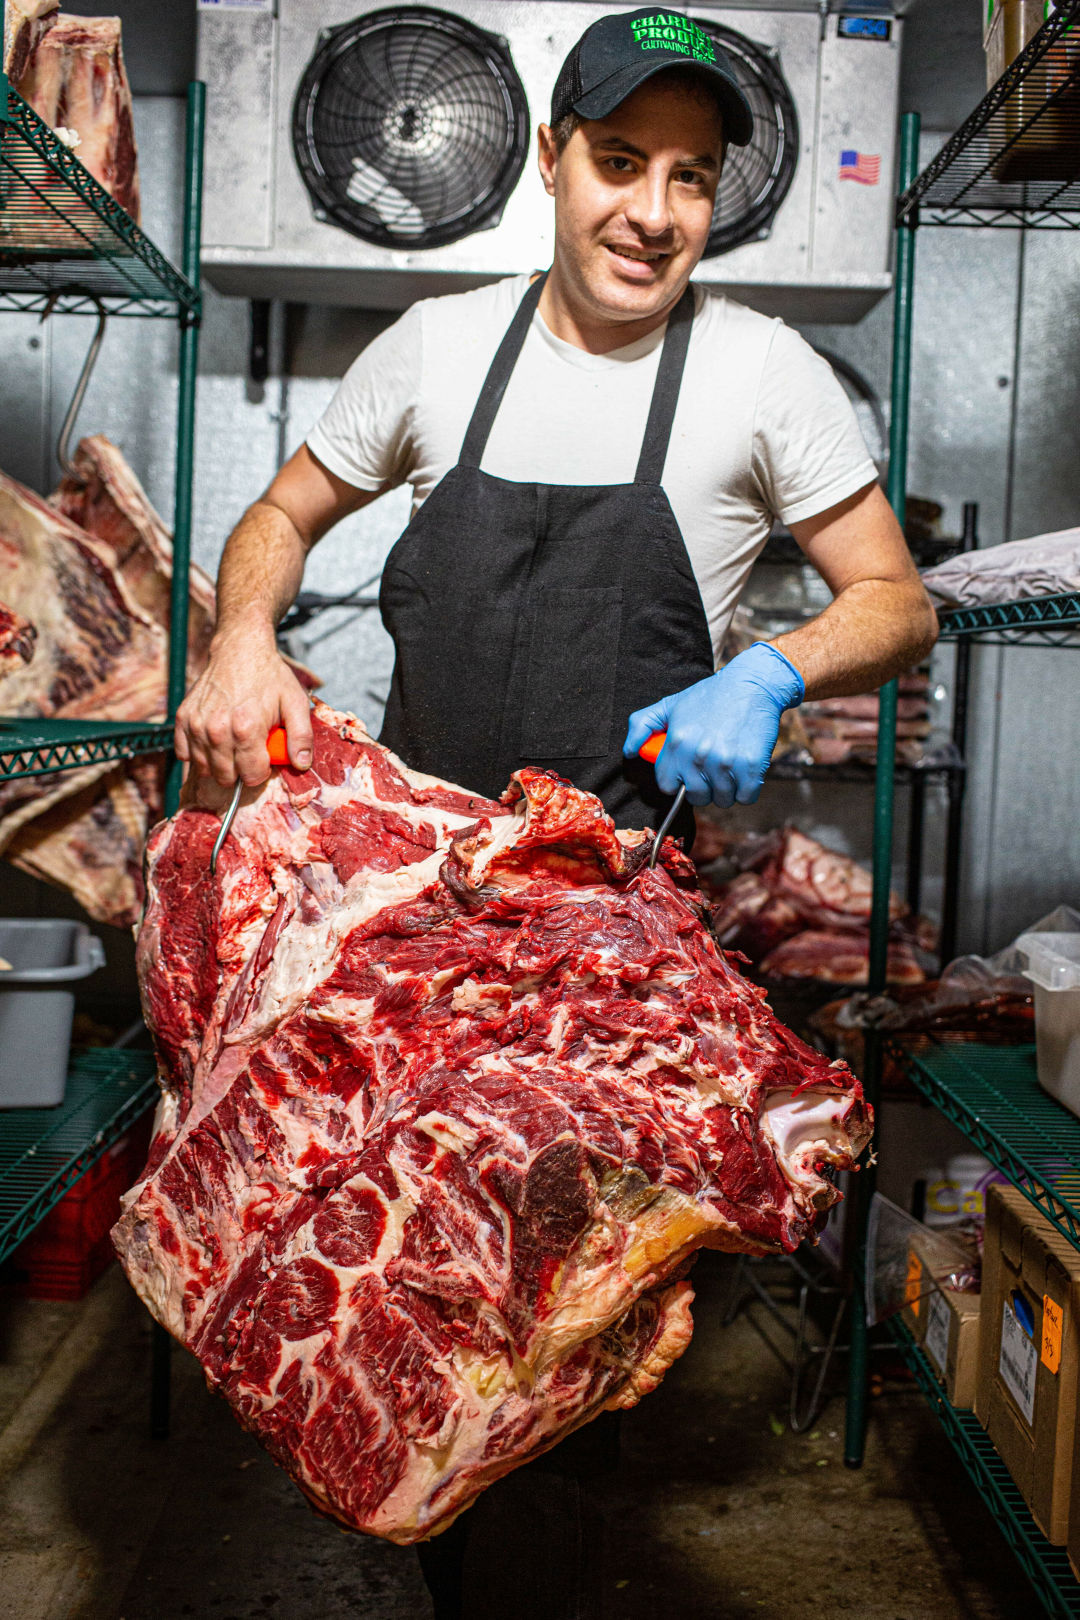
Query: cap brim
x=605, y=97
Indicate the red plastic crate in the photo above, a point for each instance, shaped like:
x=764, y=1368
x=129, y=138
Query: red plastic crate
x=66, y=1254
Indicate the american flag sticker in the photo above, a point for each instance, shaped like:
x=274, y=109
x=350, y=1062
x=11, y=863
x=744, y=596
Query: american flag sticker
x=865, y=167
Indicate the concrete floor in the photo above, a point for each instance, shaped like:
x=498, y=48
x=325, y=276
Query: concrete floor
x=717, y=1513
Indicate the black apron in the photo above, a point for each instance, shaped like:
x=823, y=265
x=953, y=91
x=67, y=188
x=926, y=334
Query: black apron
x=530, y=620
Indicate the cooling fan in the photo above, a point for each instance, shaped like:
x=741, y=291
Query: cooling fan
x=410, y=127
x=756, y=178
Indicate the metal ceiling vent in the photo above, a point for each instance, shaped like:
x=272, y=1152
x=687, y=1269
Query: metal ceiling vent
x=410, y=127
x=756, y=178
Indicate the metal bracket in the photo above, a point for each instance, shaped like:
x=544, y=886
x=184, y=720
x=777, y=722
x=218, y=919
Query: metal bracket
x=259, y=344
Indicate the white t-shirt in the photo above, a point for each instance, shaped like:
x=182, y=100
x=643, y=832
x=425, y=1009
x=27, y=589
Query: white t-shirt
x=762, y=426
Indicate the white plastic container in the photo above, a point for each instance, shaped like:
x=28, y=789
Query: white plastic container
x=47, y=956
x=1053, y=966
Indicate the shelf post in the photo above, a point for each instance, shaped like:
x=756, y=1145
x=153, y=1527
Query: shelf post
x=863, y=1184
x=185, y=427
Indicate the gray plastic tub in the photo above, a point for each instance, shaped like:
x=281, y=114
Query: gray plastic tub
x=37, y=1003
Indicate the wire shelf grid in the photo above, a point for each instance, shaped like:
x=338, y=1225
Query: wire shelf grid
x=1016, y=160
x=36, y=747
x=1052, y=621
x=44, y=1151
x=993, y=1094
x=64, y=242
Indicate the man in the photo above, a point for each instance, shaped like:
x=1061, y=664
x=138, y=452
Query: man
x=592, y=482
x=597, y=455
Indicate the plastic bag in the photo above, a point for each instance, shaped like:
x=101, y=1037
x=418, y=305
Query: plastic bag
x=906, y=1261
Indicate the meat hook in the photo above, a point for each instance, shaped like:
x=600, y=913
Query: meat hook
x=277, y=746
x=63, y=445
x=676, y=806
x=650, y=750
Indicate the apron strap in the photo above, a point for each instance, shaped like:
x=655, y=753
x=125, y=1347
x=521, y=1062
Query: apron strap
x=669, y=374
x=487, y=405
x=665, y=398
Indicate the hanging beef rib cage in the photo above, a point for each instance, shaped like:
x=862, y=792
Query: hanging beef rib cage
x=452, y=1092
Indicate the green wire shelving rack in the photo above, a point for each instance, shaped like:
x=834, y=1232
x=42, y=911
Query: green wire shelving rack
x=44, y=1151
x=983, y=176
x=1046, y=1567
x=67, y=247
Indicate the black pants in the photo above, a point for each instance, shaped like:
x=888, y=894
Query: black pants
x=525, y=1550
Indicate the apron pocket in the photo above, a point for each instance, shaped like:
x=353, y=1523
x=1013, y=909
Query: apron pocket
x=570, y=688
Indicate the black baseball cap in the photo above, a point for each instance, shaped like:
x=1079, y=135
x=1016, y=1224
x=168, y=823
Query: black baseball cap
x=617, y=53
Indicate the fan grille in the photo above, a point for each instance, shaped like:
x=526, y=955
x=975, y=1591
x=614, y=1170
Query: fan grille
x=757, y=177
x=410, y=127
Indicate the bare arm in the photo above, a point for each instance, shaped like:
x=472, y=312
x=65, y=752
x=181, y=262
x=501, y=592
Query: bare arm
x=247, y=688
x=880, y=621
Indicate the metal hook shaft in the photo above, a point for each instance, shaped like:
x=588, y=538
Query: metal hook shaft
x=226, y=823
x=63, y=445
x=676, y=806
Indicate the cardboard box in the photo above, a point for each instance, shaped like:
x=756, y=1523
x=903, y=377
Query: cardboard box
x=1029, y=1354
x=951, y=1342
x=1009, y=26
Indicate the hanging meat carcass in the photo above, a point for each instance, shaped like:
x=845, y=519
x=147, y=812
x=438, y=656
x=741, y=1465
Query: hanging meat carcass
x=85, y=830
x=452, y=1092
x=96, y=653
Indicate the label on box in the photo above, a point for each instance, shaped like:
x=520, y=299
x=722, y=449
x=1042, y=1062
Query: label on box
x=913, y=1282
x=1052, y=1324
x=1017, y=1363
x=236, y=5
x=938, y=1316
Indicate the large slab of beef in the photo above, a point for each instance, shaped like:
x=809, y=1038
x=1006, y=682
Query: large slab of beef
x=452, y=1092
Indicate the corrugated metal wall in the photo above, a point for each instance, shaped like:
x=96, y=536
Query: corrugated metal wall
x=995, y=407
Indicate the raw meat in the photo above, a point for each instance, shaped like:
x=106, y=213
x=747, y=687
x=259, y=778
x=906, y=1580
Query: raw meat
x=452, y=1092
x=838, y=730
x=92, y=843
x=839, y=958
x=800, y=910
x=74, y=78
x=96, y=653
x=105, y=498
x=25, y=24
x=17, y=638
x=92, y=846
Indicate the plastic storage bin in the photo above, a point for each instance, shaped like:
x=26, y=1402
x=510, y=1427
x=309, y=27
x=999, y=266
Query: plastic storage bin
x=1053, y=966
x=48, y=955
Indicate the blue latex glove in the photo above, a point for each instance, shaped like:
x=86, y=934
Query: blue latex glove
x=722, y=731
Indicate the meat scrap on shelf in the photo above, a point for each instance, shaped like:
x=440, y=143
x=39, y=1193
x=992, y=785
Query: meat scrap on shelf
x=452, y=1092
x=798, y=910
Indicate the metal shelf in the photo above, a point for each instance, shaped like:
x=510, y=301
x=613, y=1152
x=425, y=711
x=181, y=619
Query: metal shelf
x=64, y=242
x=43, y=1151
x=1052, y=621
x=860, y=771
x=1016, y=160
x=34, y=747
x=1046, y=1567
x=993, y=1095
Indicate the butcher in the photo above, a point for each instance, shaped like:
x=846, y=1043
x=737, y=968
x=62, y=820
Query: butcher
x=597, y=453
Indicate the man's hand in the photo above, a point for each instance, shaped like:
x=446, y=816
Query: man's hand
x=246, y=689
x=722, y=731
